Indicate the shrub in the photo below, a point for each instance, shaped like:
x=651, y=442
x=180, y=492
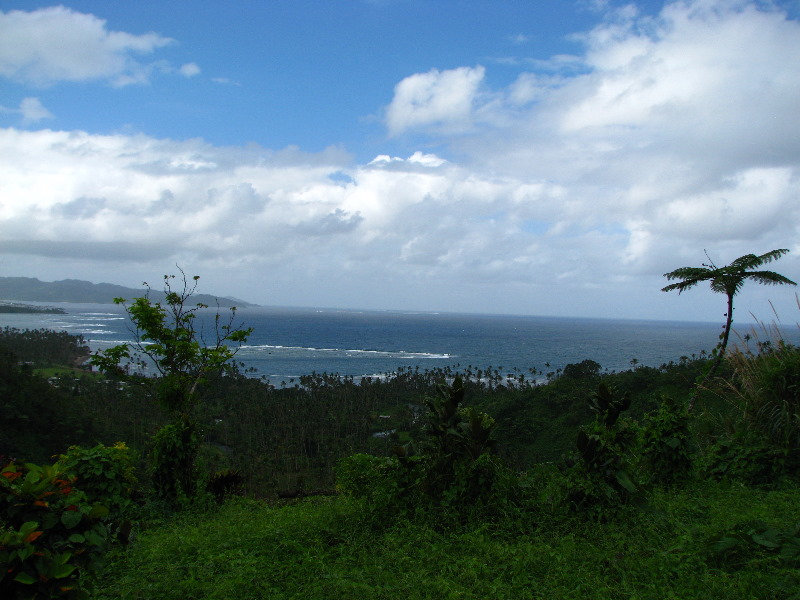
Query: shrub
x=52, y=537
x=738, y=546
x=167, y=339
x=766, y=391
x=748, y=457
x=104, y=473
x=762, y=439
x=597, y=475
x=382, y=482
x=173, y=454
x=452, y=477
x=665, y=443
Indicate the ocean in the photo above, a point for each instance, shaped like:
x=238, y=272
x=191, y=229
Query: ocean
x=289, y=342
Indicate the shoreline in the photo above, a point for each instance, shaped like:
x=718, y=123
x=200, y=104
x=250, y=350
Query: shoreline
x=29, y=309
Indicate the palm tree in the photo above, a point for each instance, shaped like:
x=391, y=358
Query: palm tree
x=727, y=280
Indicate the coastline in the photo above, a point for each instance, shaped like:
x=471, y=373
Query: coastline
x=19, y=308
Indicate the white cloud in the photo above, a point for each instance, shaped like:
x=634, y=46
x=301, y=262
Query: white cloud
x=33, y=110
x=191, y=202
x=519, y=38
x=189, y=70
x=573, y=190
x=443, y=99
x=30, y=109
x=225, y=81
x=670, y=134
x=56, y=44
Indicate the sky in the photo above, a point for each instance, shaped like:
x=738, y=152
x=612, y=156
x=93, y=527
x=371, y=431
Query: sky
x=553, y=157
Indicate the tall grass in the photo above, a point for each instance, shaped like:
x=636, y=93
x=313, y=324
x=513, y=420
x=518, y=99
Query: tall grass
x=765, y=387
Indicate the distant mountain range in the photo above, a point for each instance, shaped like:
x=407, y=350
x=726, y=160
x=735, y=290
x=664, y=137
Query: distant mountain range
x=30, y=289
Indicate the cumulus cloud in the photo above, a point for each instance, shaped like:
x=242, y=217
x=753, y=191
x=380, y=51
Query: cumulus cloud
x=282, y=210
x=673, y=122
x=30, y=109
x=667, y=135
x=54, y=44
x=443, y=99
x=33, y=110
x=189, y=70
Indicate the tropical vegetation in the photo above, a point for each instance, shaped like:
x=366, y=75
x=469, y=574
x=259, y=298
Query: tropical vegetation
x=173, y=474
x=727, y=280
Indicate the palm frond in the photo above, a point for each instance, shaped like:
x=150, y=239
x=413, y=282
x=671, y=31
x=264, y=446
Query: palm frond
x=770, y=278
x=681, y=285
x=751, y=261
x=748, y=261
x=689, y=276
x=772, y=255
x=698, y=273
x=729, y=279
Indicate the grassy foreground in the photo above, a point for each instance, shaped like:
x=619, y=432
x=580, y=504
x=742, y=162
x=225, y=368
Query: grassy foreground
x=692, y=543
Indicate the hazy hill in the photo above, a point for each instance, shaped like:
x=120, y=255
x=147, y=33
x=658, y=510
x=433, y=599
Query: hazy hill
x=73, y=290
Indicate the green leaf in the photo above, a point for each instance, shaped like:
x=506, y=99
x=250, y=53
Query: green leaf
x=25, y=579
x=71, y=518
x=726, y=543
x=98, y=511
x=625, y=481
x=28, y=527
x=63, y=571
x=94, y=539
x=767, y=538
x=49, y=520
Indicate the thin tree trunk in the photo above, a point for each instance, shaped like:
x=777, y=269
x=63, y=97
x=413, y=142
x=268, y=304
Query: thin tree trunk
x=720, y=353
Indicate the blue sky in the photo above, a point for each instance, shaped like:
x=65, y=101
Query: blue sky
x=547, y=157
x=309, y=74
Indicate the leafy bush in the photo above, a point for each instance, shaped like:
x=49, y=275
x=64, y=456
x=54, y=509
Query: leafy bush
x=760, y=442
x=766, y=390
x=453, y=476
x=104, y=473
x=748, y=457
x=597, y=475
x=456, y=438
x=742, y=543
x=52, y=535
x=665, y=443
x=167, y=339
x=172, y=458
x=382, y=482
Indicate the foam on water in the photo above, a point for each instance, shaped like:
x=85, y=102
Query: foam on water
x=251, y=350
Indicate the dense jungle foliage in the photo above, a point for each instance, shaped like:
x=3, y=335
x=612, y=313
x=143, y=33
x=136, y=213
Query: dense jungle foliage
x=461, y=482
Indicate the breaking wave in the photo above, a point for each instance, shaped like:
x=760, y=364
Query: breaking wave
x=296, y=351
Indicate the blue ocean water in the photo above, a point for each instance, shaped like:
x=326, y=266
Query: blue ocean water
x=290, y=342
